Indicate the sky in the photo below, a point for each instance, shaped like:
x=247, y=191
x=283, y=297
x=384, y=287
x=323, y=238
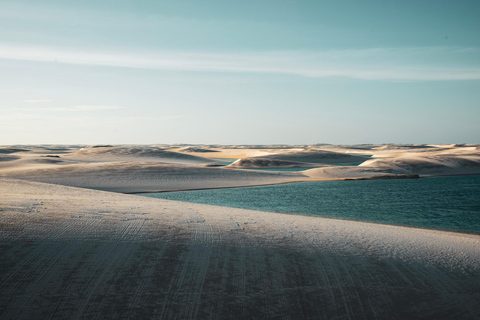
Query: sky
x=239, y=72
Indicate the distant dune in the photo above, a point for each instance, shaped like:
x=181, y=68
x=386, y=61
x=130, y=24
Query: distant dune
x=316, y=156
x=153, y=168
x=137, y=153
x=8, y=158
x=148, y=176
x=268, y=163
x=429, y=165
x=7, y=150
x=195, y=149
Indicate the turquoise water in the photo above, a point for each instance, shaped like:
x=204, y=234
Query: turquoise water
x=444, y=203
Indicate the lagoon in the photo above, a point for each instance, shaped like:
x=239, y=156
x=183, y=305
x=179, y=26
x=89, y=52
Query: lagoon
x=442, y=203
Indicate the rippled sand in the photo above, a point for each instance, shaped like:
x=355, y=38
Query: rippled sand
x=77, y=253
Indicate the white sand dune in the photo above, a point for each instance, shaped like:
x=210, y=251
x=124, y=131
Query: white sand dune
x=441, y=163
x=268, y=163
x=134, y=153
x=70, y=253
x=80, y=253
x=196, y=149
x=8, y=157
x=8, y=150
x=139, y=176
x=316, y=156
x=347, y=173
x=228, y=152
x=143, y=168
x=404, y=163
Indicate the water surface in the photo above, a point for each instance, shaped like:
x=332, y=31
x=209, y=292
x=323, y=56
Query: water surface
x=443, y=203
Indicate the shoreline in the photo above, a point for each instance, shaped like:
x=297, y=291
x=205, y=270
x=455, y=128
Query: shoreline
x=302, y=181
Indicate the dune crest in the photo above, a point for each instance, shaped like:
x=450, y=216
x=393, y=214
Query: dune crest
x=268, y=163
x=316, y=156
x=140, y=153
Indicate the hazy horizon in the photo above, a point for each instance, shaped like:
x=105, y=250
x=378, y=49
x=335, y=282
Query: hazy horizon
x=249, y=73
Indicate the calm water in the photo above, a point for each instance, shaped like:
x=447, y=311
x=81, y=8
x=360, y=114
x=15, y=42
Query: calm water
x=446, y=203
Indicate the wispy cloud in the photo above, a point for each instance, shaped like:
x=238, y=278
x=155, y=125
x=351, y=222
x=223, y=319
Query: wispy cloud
x=408, y=64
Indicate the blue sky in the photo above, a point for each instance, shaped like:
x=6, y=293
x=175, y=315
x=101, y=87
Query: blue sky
x=231, y=72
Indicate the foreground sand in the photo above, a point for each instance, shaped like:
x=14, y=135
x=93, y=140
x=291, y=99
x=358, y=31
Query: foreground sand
x=70, y=253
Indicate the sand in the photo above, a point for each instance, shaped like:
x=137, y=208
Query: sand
x=131, y=169
x=269, y=163
x=84, y=253
x=70, y=253
x=131, y=177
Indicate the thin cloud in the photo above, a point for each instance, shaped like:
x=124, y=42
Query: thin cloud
x=404, y=64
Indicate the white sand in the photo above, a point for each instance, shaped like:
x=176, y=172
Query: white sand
x=314, y=155
x=152, y=168
x=134, y=153
x=70, y=253
x=269, y=163
x=130, y=177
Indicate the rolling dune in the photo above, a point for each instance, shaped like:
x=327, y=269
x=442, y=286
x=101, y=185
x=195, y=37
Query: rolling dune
x=134, y=153
x=268, y=163
x=316, y=156
x=130, y=177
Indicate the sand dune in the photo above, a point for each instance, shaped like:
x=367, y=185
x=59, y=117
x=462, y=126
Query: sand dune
x=316, y=156
x=148, y=168
x=429, y=165
x=135, y=153
x=268, y=163
x=347, y=173
x=138, y=176
x=76, y=253
x=8, y=150
x=8, y=158
x=196, y=149
x=82, y=253
x=401, y=166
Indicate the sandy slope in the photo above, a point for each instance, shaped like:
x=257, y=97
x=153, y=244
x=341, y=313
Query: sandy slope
x=134, y=153
x=268, y=163
x=136, y=176
x=316, y=156
x=71, y=253
x=364, y=172
x=430, y=164
x=403, y=161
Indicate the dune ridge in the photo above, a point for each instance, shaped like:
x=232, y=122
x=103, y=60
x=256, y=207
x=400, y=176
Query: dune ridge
x=139, y=153
x=137, y=176
x=132, y=169
x=316, y=156
x=268, y=163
